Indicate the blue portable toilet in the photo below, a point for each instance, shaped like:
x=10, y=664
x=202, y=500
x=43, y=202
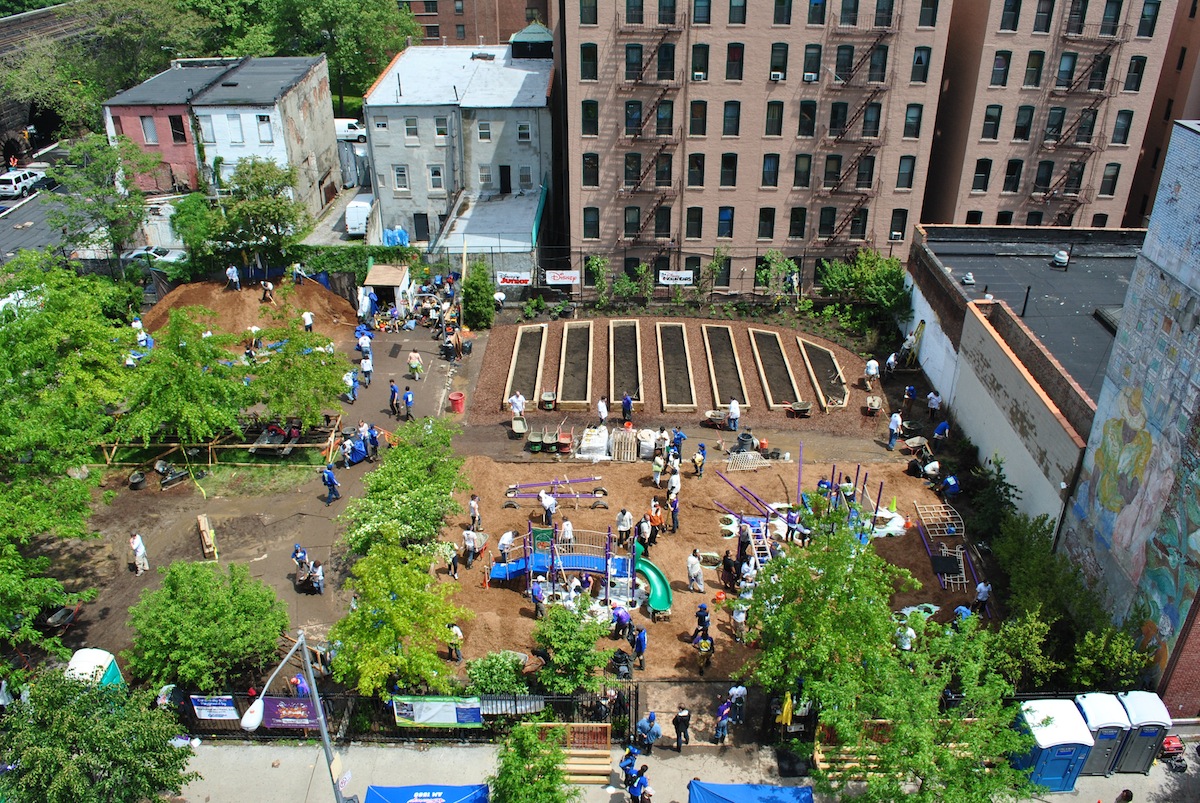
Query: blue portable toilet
x=1062, y=743
x=1109, y=724
x=1149, y=722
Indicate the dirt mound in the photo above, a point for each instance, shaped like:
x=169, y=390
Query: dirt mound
x=238, y=311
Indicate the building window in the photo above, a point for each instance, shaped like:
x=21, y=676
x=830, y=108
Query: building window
x=1033, y=219
x=1024, y=124
x=1043, y=16
x=1075, y=16
x=433, y=31
x=700, y=62
x=430, y=6
x=808, y=119
x=1133, y=78
x=779, y=59
x=591, y=170
x=460, y=31
x=178, y=132
x=664, y=118
x=1099, y=220
x=1149, y=18
x=1054, y=124
x=734, y=58
x=666, y=12
x=633, y=12
x=589, y=64
x=702, y=12
x=1086, y=127
x=458, y=7
x=912, y=120
x=591, y=118
x=766, y=223
x=865, y=175
x=774, y=127
x=1000, y=68
x=1098, y=76
x=485, y=130
x=525, y=177
x=410, y=128
x=150, y=132
x=839, y=114
x=666, y=62
x=695, y=223
x=877, y=68
x=904, y=176
x=729, y=169
x=802, y=175
x=833, y=170
x=1124, y=121
x=633, y=62
x=206, y=128
x=827, y=221
x=1012, y=175
x=843, y=63
x=816, y=13
x=695, y=170
x=732, y=120
x=928, y=15
x=725, y=221
x=884, y=10
x=400, y=177
x=770, y=170
x=1108, y=183
x=1010, y=15
x=591, y=223
x=633, y=117
x=920, y=65
x=633, y=168
x=1181, y=60
x=236, y=135
x=849, y=15
x=991, y=122
x=664, y=168
x=798, y=222
x=974, y=217
x=485, y=176
x=662, y=222
x=872, y=115
x=1044, y=176
x=983, y=174
x=587, y=12
x=898, y=227
x=812, y=62
x=1033, y=68
x=441, y=127
x=737, y=12
x=1004, y=218
x=1066, y=70
x=437, y=179
x=783, y=12
x=858, y=224
x=698, y=119
x=633, y=221
x=1074, y=180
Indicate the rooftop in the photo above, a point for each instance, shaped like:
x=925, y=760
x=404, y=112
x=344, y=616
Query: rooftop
x=1065, y=306
x=501, y=223
x=172, y=86
x=257, y=82
x=469, y=77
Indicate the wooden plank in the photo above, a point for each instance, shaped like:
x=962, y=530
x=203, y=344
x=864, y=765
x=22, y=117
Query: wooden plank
x=772, y=402
x=208, y=537
x=584, y=403
x=615, y=393
x=686, y=405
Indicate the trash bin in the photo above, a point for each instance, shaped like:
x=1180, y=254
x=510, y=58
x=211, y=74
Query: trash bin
x=1109, y=724
x=458, y=401
x=1149, y=722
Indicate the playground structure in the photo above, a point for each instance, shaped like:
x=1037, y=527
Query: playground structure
x=559, y=489
x=952, y=563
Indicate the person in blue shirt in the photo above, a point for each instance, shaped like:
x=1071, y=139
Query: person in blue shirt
x=331, y=482
x=393, y=398
x=940, y=433
x=373, y=440
x=639, y=786
x=677, y=439
x=639, y=647
x=949, y=487
x=538, y=595
x=628, y=765
x=627, y=407
x=910, y=393
x=648, y=732
x=409, y=400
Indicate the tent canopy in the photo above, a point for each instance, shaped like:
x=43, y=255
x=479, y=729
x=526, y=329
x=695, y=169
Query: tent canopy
x=701, y=792
x=477, y=793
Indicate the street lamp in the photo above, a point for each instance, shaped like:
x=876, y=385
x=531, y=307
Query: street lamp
x=253, y=717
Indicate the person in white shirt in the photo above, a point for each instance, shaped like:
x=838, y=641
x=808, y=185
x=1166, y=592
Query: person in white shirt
x=566, y=536
x=473, y=508
x=889, y=367
x=549, y=506
x=934, y=400
x=231, y=273
x=983, y=592
x=367, y=367
x=268, y=292
x=624, y=527
x=871, y=373
x=308, y=319
x=364, y=344
x=517, y=403
x=602, y=409
x=470, y=547
x=674, y=482
x=505, y=543
x=735, y=413
x=904, y=637
x=695, y=572
x=140, y=560
x=454, y=642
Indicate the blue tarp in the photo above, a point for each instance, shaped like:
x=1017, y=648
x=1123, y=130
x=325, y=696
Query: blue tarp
x=701, y=792
x=427, y=794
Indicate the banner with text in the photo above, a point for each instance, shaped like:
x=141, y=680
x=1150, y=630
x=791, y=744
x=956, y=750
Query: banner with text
x=438, y=712
x=508, y=278
x=675, y=277
x=290, y=712
x=562, y=277
x=214, y=707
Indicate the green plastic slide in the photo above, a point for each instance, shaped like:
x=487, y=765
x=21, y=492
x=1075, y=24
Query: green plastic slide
x=660, y=589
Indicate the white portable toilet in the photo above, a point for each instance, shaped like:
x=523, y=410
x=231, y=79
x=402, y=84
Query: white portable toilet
x=1149, y=722
x=1109, y=724
x=96, y=666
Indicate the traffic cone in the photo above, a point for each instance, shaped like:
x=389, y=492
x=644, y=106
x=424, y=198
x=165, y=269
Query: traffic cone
x=908, y=522
x=892, y=506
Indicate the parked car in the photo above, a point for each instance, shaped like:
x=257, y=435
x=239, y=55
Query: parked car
x=154, y=253
x=17, y=183
x=45, y=182
x=350, y=130
x=358, y=212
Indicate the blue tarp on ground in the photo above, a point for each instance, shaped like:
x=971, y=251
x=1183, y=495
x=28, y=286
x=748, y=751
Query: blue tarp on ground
x=701, y=792
x=427, y=794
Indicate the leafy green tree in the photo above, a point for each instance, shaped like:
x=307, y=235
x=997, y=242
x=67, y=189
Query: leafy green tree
x=1022, y=652
x=497, y=673
x=42, y=73
x=643, y=277
x=478, y=297
x=261, y=216
x=204, y=626
x=410, y=495
x=301, y=378
x=234, y=27
x=101, y=206
x=571, y=638
x=706, y=282
x=773, y=273
x=994, y=500
x=598, y=268
x=196, y=223
x=529, y=768
x=78, y=742
x=1107, y=659
x=398, y=626
x=185, y=387
x=870, y=279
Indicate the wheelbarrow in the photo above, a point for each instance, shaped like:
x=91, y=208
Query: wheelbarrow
x=717, y=418
x=519, y=426
x=800, y=409
x=534, y=439
x=874, y=405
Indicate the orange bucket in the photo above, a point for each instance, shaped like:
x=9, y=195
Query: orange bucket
x=720, y=597
x=628, y=425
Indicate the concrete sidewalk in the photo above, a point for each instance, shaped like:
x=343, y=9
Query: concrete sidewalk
x=296, y=774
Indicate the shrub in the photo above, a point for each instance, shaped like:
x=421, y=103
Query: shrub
x=497, y=673
x=571, y=640
x=478, y=301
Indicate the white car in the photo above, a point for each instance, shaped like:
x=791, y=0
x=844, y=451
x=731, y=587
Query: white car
x=350, y=130
x=18, y=183
x=154, y=253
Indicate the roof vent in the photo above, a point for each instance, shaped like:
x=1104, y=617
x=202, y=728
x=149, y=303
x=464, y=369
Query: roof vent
x=484, y=56
x=229, y=83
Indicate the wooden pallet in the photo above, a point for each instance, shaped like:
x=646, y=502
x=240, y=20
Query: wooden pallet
x=747, y=461
x=208, y=537
x=624, y=446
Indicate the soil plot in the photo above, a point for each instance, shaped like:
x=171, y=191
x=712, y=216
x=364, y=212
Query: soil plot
x=625, y=361
x=724, y=367
x=779, y=384
x=575, y=367
x=675, y=367
x=825, y=373
x=525, y=372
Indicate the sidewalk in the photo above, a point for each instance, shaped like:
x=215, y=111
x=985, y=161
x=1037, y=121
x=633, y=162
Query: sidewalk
x=296, y=774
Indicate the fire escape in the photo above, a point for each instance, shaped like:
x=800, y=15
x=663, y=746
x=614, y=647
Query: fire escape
x=651, y=84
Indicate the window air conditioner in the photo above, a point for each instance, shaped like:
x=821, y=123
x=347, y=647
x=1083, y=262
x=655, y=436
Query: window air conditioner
x=699, y=76
x=896, y=236
x=776, y=76
x=811, y=77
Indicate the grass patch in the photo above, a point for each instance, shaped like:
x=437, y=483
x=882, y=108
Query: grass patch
x=255, y=480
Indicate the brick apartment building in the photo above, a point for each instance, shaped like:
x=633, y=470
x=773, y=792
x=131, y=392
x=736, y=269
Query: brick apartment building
x=475, y=22
x=1045, y=109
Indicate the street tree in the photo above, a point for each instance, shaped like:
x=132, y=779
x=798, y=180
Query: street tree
x=529, y=768
x=478, y=296
x=204, y=627
x=101, y=206
x=196, y=223
x=399, y=624
x=775, y=273
x=262, y=216
x=302, y=377
x=570, y=637
x=74, y=741
x=497, y=673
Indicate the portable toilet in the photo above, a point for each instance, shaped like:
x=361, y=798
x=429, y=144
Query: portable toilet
x=1062, y=743
x=1148, y=726
x=98, y=666
x=1109, y=724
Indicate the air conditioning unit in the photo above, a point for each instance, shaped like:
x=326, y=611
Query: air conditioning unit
x=776, y=76
x=811, y=77
x=699, y=76
x=896, y=236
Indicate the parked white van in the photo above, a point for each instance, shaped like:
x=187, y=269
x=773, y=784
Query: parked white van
x=357, y=214
x=18, y=183
x=350, y=130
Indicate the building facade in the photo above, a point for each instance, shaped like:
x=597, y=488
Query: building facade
x=802, y=128
x=1046, y=106
x=475, y=22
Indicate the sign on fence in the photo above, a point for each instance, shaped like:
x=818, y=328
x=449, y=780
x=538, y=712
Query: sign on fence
x=562, y=277
x=675, y=277
x=214, y=707
x=290, y=712
x=438, y=712
x=508, y=278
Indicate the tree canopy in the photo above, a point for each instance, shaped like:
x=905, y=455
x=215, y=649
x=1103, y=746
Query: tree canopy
x=261, y=216
x=529, y=768
x=570, y=637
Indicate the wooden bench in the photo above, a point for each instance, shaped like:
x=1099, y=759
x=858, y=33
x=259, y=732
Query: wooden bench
x=208, y=537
